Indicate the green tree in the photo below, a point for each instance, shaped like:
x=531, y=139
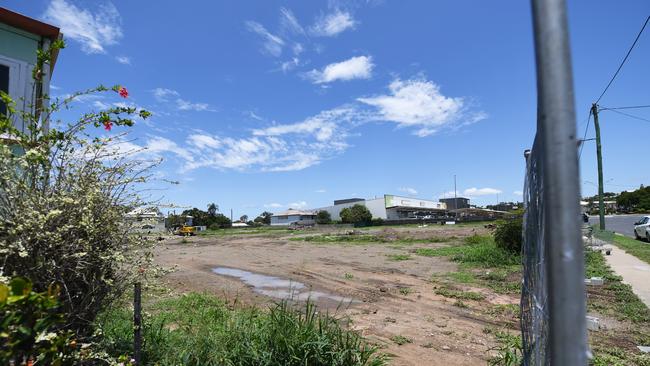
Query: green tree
x=359, y=215
x=243, y=218
x=323, y=217
x=264, y=218
x=213, y=208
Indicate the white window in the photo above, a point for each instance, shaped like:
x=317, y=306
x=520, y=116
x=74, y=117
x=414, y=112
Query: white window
x=15, y=80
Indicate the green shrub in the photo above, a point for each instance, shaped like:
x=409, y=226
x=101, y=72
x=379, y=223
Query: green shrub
x=30, y=326
x=359, y=215
x=323, y=217
x=509, y=236
x=200, y=329
x=377, y=221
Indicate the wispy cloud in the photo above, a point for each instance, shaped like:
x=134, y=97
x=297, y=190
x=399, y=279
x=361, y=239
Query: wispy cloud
x=320, y=191
x=518, y=193
x=419, y=103
x=289, y=22
x=158, y=144
x=124, y=60
x=272, y=44
x=408, y=190
x=298, y=205
x=164, y=95
x=273, y=205
x=333, y=23
x=93, y=30
x=359, y=67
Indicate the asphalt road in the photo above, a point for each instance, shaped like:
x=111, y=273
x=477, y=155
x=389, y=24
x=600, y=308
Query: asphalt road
x=622, y=224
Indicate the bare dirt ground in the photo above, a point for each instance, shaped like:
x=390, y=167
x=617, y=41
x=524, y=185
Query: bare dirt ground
x=439, y=332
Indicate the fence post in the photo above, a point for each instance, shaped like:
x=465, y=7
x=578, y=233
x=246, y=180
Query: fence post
x=561, y=221
x=137, y=323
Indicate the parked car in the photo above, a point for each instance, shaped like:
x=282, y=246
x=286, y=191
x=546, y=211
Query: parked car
x=642, y=228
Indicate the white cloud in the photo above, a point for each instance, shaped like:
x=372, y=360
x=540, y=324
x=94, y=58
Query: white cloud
x=332, y=24
x=289, y=21
x=163, y=94
x=298, y=205
x=159, y=144
x=320, y=191
x=359, y=67
x=273, y=205
x=408, y=190
x=185, y=105
x=125, y=60
x=290, y=65
x=518, y=193
x=419, y=103
x=204, y=141
x=272, y=44
x=474, y=192
x=100, y=105
x=94, y=31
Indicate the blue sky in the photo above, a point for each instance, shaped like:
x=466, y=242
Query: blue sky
x=263, y=105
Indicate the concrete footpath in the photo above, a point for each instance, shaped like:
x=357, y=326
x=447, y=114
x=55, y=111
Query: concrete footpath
x=634, y=271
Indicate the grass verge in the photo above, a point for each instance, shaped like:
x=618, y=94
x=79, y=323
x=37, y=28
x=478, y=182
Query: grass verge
x=637, y=248
x=367, y=238
x=200, y=329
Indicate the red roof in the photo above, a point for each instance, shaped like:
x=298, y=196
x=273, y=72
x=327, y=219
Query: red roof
x=28, y=24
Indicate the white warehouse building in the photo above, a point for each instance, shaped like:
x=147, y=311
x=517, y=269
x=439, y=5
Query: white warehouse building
x=390, y=207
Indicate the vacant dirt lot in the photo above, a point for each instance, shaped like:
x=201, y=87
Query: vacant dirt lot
x=395, y=301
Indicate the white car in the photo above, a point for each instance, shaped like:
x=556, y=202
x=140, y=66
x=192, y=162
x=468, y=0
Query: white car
x=642, y=228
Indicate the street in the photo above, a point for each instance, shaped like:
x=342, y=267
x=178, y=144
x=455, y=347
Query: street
x=622, y=224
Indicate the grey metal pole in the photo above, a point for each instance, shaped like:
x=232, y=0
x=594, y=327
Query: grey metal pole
x=599, y=158
x=556, y=126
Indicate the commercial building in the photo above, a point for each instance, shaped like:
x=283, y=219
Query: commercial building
x=291, y=216
x=455, y=203
x=390, y=207
x=146, y=220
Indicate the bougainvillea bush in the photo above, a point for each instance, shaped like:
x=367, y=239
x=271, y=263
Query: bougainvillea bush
x=64, y=191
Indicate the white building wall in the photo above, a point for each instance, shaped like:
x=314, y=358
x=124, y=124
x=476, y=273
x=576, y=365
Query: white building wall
x=377, y=208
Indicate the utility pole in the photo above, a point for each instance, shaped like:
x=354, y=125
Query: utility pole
x=231, y=215
x=455, y=198
x=599, y=157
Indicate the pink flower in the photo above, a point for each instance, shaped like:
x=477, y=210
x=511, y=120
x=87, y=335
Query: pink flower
x=108, y=125
x=123, y=92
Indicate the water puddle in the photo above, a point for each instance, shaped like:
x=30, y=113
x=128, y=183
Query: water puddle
x=279, y=288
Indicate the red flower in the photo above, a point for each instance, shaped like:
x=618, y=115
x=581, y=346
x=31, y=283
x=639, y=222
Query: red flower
x=123, y=92
x=108, y=125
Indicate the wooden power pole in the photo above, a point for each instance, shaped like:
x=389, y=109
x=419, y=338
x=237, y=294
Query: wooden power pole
x=599, y=157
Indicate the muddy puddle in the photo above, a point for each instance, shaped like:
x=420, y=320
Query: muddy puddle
x=280, y=288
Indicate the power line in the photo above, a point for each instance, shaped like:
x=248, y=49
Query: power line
x=584, y=137
x=625, y=59
x=628, y=107
x=630, y=115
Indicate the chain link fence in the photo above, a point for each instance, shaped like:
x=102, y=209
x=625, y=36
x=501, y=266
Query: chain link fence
x=534, y=295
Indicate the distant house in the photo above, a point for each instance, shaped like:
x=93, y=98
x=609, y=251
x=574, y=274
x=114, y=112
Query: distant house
x=292, y=216
x=455, y=203
x=20, y=39
x=239, y=224
x=146, y=220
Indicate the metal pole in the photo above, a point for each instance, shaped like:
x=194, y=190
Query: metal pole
x=599, y=157
x=137, y=323
x=556, y=126
x=455, y=198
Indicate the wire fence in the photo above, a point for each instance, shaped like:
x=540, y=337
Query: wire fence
x=534, y=294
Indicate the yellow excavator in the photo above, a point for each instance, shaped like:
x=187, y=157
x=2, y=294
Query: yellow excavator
x=186, y=230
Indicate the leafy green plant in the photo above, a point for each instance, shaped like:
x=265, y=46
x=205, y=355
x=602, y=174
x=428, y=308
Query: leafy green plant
x=359, y=215
x=509, y=350
x=323, y=217
x=30, y=326
x=398, y=257
x=401, y=340
x=405, y=290
x=508, y=235
x=348, y=276
x=64, y=193
x=200, y=329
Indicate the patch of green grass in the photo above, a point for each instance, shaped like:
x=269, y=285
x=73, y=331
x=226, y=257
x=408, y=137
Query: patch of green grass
x=398, y=257
x=200, y=329
x=460, y=304
x=458, y=294
x=637, y=248
x=405, y=290
x=461, y=277
x=509, y=350
x=401, y=340
x=368, y=238
x=348, y=276
x=618, y=299
x=479, y=251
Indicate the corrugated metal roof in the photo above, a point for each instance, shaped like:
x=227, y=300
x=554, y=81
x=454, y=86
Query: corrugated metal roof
x=292, y=212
